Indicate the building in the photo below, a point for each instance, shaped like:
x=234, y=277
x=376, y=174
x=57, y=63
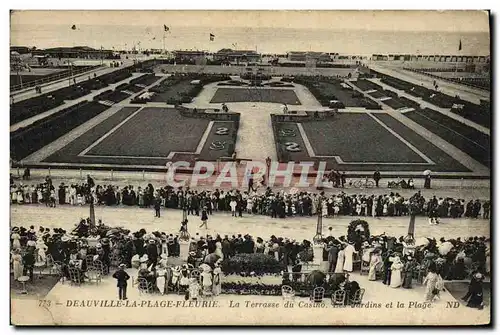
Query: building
x=434, y=58
x=308, y=56
x=182, y=56
x=21, y=50
x=75, y=52
x=237, y=56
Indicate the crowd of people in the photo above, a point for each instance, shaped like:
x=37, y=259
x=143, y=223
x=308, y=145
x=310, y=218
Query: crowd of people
x=395, y=262
x=398, y=262
x=266, y=202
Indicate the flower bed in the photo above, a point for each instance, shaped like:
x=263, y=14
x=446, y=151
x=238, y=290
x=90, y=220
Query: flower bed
x=252, y=264
x=26, y=141
x=301, y=289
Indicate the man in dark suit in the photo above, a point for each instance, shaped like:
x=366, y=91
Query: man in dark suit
x=333, y=252
x=157, y=207
x=121, y=282
x=152, y=252
x=376, y=177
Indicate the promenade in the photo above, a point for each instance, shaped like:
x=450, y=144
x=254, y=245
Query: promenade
x=466, y=93
x=69, y=103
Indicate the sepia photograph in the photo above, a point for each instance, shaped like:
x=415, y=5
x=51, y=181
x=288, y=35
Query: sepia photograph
x=250, y=167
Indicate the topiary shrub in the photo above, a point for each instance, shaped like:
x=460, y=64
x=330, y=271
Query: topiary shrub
x=360, y=225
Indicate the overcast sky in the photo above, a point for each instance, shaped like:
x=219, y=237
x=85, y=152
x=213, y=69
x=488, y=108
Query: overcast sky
x=456, y=21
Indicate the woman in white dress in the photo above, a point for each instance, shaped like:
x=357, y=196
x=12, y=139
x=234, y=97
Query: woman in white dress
x=16, y=244
x=39, y=195
x=161, y=280
x=375, y=265
x=217, y=280
x=218, y=250
x=349, y=252
x=249, y=205
x=339, y=268
x=324, y=208
x=206, y=279
x=396, y=279
x=13, y=195
x=17, y=264
x=20, y=197
x=41, y=249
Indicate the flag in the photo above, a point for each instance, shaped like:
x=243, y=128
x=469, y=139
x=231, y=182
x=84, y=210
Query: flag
x=73, y=27
x=460, y=45
x=212, y=37
x=234, y=45
x=165, y=28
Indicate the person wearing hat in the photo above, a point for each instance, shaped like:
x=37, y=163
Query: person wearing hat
x=192, y=258
x=157, y=205
x=349, y=252
x=217, y=278
x=16, y=244
x=152, y=252
x=333, y=254
x=408, y=270
x=204, y=217
x=184, y=277
x=396, y=269
x=376, y=264
x=121, y=277
x=474, y=296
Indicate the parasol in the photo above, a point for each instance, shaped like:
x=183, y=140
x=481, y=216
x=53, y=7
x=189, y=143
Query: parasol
x=211, y=259
x=426, y=172
x=112, y=231
x=445, y=248
x=421, y=241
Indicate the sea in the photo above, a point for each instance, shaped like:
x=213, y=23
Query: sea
x=264, y=40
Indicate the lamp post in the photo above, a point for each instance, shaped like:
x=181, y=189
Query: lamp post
x=70, y=63
x=318, y=238
x=184, y=234
x=410, y=237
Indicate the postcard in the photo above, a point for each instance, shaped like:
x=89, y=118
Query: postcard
x=250, y=168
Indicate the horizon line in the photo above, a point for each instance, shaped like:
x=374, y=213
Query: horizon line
x=268, y=27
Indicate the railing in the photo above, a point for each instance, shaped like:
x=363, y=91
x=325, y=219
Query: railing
x=53, y=77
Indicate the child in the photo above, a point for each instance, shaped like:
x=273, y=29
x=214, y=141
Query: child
x=194, y=289
x=206, y=277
